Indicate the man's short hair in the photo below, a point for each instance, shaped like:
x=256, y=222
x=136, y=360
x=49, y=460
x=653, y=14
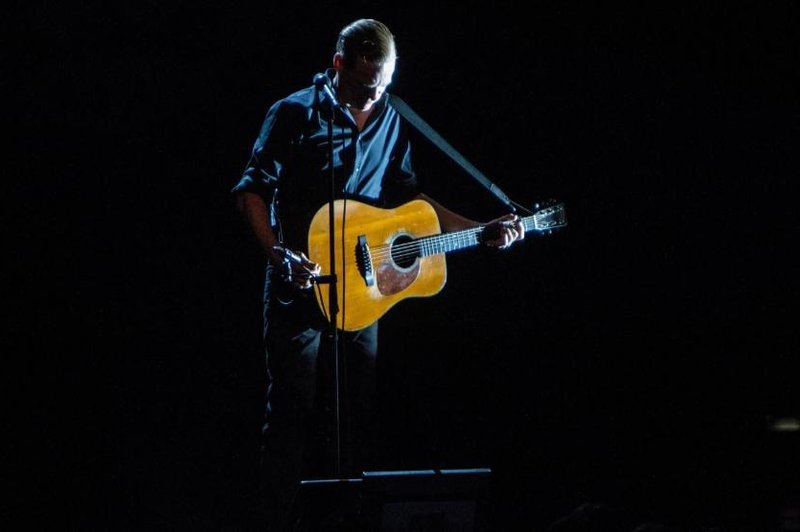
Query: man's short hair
x=366, y=39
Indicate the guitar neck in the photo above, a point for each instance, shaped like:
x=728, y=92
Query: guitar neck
x=446, y=242
x=467, y=238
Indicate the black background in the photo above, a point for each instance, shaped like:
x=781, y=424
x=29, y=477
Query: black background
x=634, y=358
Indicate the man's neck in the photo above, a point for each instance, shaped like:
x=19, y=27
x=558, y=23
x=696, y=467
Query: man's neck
x=360, y=116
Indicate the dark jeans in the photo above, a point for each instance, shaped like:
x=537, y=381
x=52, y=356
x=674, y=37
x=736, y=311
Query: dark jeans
x=313, y=428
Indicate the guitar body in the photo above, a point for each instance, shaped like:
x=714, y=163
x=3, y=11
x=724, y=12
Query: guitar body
x=392, y=275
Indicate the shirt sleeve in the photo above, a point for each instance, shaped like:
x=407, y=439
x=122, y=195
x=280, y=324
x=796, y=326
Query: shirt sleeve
x=270, y=152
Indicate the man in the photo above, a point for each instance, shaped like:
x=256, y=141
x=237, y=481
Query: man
x=285, y=183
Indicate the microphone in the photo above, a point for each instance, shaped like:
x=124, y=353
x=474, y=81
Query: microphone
x=323, y=84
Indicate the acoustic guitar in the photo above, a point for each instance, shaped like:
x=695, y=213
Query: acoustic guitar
x=386, y=255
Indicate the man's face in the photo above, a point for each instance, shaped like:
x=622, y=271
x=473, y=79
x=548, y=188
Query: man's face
x=363, y=83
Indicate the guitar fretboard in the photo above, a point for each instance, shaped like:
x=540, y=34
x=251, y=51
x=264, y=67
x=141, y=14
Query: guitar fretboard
x=447, y=242
x=542, y=221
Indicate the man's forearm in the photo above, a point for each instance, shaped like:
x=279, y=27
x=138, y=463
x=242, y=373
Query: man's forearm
x=256, y=216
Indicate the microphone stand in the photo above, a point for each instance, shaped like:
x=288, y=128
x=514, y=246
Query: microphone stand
x=321, y=84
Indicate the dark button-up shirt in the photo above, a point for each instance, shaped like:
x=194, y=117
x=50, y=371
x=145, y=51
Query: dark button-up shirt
x=289, y=166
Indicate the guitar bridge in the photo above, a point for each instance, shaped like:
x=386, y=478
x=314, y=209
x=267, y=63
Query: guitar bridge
x=364, y=260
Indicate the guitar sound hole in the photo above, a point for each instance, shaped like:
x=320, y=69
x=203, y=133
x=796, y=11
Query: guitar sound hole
x=404, y=251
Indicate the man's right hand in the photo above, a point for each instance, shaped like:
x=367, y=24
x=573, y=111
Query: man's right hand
x=299, y=269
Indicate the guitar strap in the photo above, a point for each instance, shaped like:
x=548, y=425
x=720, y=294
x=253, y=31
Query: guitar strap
x=417, y=121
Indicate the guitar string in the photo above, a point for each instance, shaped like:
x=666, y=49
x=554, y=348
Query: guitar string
x=432, y=243
x=438, y=243
x=428, y=244
x=424, y=244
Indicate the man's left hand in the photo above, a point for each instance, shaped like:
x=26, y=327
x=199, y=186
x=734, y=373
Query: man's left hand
x=504, y=231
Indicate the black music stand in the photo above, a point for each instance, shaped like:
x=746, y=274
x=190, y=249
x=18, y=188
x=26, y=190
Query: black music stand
x=428, y=500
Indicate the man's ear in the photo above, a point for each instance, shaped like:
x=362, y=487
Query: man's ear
x=338, y=61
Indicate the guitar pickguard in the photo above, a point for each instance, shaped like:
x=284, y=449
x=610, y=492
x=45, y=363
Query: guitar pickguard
x=396, y=272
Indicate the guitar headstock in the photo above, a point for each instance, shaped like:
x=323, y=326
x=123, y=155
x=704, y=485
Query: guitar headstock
x=548, y=216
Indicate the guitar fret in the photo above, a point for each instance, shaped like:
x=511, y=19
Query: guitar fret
x=447, y=242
